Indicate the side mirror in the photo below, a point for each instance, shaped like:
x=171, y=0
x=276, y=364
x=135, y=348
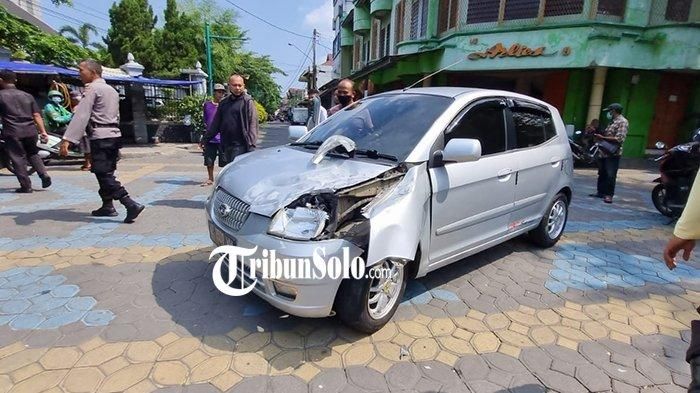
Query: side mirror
x=462, y=150
x=296, y=132
x=660, y=145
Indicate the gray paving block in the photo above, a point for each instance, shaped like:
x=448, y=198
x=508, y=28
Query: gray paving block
x=328, y=381
x=402, y=375
x=594, y=379
x=472, y=368
x=288, y=384
x=366, y=378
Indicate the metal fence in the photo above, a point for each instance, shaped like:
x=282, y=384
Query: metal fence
x=161, y=101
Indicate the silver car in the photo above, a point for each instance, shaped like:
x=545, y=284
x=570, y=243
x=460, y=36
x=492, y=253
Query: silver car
x=409, y=181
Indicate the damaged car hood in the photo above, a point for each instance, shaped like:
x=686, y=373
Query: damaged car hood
x=270, y=179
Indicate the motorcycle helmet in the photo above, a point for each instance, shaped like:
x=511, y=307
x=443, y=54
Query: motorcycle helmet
x=55, y=96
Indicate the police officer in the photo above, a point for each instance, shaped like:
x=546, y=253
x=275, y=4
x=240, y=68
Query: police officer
x=98, y=116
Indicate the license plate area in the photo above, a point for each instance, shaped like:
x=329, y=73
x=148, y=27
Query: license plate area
x=219, y=237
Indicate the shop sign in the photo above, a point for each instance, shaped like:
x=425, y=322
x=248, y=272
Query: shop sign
x=515, y=50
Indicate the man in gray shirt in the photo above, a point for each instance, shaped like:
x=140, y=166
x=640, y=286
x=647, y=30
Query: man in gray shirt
x=97, y=115
x=20, y=119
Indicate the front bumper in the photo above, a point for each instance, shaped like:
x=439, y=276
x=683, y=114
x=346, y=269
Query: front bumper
x=314, y=297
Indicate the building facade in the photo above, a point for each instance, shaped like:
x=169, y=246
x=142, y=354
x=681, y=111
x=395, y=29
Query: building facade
x=578, y=55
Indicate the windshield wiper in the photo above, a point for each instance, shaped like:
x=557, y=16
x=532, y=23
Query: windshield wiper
x=375, y=154
x=309, y=145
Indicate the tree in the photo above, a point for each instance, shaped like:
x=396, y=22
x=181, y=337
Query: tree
x=228, y=55
x=28, y=42
x=179, y=41
x=81, y=35
x=131, y=31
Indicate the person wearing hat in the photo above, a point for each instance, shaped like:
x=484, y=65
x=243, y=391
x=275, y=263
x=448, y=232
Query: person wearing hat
x=610, y=143
x=56, y=116
x=212, y=149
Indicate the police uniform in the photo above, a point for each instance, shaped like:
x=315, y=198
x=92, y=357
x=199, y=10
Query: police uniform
x=97, y=115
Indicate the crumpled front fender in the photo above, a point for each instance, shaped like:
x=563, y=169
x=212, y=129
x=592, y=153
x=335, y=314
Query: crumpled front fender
x=398, y=217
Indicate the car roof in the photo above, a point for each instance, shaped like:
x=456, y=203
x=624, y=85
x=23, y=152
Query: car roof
x=454, y=92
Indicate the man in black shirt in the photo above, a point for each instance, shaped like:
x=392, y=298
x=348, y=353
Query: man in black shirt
x=237, y=121
x=20, y=119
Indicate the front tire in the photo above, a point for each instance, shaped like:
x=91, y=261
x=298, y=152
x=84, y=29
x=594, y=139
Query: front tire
x=552, y=225
x=368, y=304
x=658, y=197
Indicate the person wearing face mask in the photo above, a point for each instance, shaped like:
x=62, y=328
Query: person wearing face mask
x=610, y=150
x=236, y=119
x=345, y=94
x=56, y=116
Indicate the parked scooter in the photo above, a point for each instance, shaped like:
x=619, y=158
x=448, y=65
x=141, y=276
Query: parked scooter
x=583, y=149
x=47, y=152
x=678, y=167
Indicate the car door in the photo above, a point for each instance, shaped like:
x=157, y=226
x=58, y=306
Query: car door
x=472, y=201
x=539, y=159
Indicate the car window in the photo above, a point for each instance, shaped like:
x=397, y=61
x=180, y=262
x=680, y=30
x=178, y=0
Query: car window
x=390, y=124
x=485, y=122
x=532, y=127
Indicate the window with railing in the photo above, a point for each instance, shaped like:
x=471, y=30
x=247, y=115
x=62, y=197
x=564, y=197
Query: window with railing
x=521, y=9
x=673, y=11
x=419, y=19
x=448, y=15
x=482, y=11
x=399, y=12
x=486, y=14
x=611, y=8
x=563, y=7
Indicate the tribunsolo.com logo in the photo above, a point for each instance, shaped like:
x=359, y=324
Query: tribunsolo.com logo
x=319, y=266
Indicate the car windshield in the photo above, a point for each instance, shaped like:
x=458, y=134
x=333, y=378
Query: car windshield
x=389, y=125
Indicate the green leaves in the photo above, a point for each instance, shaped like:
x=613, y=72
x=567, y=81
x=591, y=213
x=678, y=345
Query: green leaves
x=29, y=43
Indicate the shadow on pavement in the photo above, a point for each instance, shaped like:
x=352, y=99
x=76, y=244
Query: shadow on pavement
x=180, y=204
x=58, y=215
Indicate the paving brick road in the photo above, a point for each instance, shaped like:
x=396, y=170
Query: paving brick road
x=93, y=305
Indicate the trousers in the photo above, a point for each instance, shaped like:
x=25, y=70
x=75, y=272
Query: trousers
x=21, y=150
x=607, y=175
x=105, y=153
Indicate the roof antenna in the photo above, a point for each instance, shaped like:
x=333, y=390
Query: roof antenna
x=435, y=73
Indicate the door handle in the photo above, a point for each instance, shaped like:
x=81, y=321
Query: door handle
x=504, y=174
x=555, y=161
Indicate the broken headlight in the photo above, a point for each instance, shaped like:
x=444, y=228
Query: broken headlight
x=299, y=223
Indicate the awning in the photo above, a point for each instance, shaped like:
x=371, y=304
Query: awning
x=31, y=68
x=45, y=69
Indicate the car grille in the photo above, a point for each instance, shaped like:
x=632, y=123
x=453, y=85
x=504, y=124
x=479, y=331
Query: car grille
x=230, y=210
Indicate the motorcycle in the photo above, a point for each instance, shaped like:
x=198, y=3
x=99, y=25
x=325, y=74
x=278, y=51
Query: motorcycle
x=583, y=148
x=47, y=152
x=678, y=167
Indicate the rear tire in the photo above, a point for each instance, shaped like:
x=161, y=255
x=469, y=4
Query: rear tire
x=553, y=223
x=359, y=302
x=658, y=197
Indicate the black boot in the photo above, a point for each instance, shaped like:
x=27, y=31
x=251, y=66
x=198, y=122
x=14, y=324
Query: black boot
x=107, y=209
x=46, y=181
x=133, y=209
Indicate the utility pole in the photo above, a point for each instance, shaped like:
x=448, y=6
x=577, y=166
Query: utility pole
x=314, y=70
x=207, y=47
x=210, y=66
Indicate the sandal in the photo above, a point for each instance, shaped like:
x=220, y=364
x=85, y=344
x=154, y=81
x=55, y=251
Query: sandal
x=85, y=168
x=206, y=183
x=607, y=199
